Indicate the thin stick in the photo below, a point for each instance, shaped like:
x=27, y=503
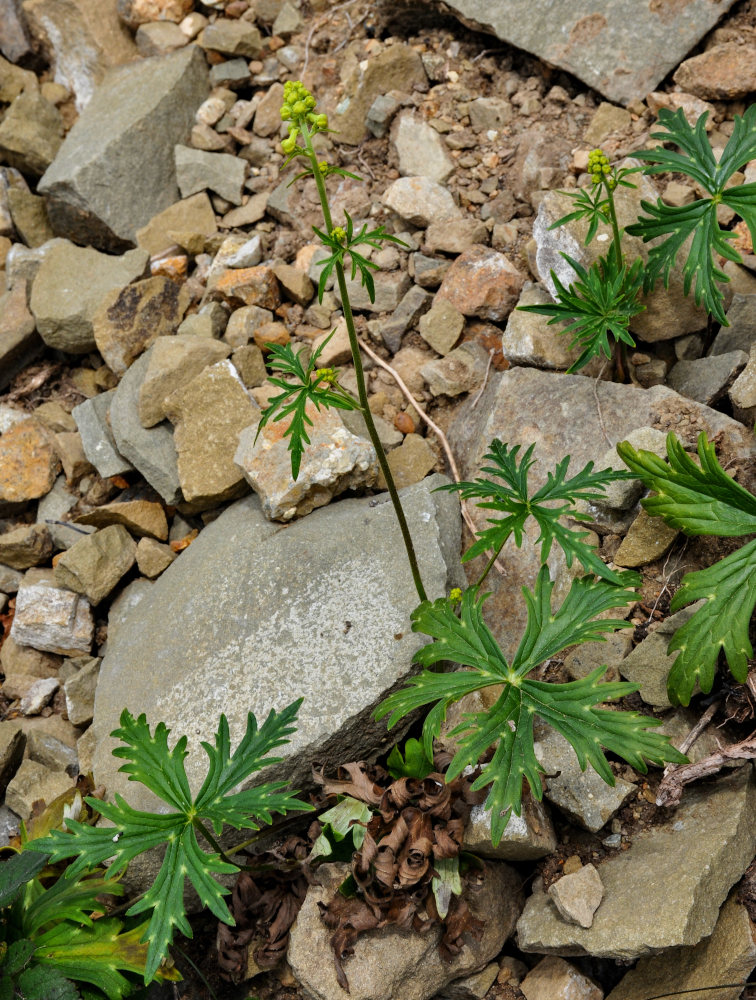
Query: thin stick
x=436, y=430
x=480, y=391
x=598, y=406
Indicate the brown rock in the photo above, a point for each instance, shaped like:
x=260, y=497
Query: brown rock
x=130, y=319
x=193, y=215
x=249, y=286
x=648, y=539
x=136, y=12
x=94, y=565
x=19, y=341
x=410, y=462
x=270, y=333
x=33, y=782
x=16, y=659
x=25, y=546
x=174, y=361
x=141, y=517
x=75, y=463
x=555, y=979
x=722, y=73
x=482, y=282
x=153, y=558
x=295, y=283
x=28, y=463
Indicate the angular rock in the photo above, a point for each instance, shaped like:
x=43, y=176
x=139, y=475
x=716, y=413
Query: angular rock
x=94, y=565
x=707, y=379
x=208, y=414
x=232, y=38
x=31, y=133
x=16, y=659
x=647, y=539
x=685, y=868
x=247, y=286
x=52, y=752
x=91, y=195
x=25, y=546
x=473, y=987
x=97, y=439
x=409, y=463
x=529, y=340
x=249, y=363
x=555, y=979
x=396, y=67
x=721, y=73
x=578, y=895
x=391, y=962
x=489, y=113
x=625, y=494
x=28, y=463
x=421, y=150
x=583, y=660
x=14, y=37
x=19, y=341
x=294, y=283
x=174, y=361
x=268, y=115
x=129, y=319
x=38, y=695
x=34, y=782
x=740, y=335
x=159, y=38
x=455, y=235
x=413, y=304
x=582, y=795
x=390, y=289
x=80, y=693
x=197, y=170
x=483, y=283
x=143, y=518
x=136, y=12
x=12, y=744
x=153, y=558
x=29, y=217
x=420, y=201
x=237, y=250
x=461, y=370
x=728, y=956
x=621, y=49
x=442, y=326
x=334, y=461
x=152, y=450
x=251, y=651
x=193, y=215
x=526, y=837
x=743, y=392
x=70, y=285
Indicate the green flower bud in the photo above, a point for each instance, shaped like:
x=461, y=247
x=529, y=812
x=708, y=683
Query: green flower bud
x=322, y=122
x=300, y=108
x=289, y=144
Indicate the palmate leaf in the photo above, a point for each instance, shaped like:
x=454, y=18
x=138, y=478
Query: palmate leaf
x=593, y=204
x=507, y=493
x=598, y=305
x=42, y=983
x=135, y=831
x=15, y=872
x=68, y=899
x=704, y=501
x=699, y=219
x=569, y=708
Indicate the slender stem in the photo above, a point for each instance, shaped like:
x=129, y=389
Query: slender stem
x=616, y=239
x=360, y=376
x=199, y=825
x=489, y=565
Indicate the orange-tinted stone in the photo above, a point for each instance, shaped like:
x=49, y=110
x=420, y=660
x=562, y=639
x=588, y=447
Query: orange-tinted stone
x=249, y=286
x=28, y=463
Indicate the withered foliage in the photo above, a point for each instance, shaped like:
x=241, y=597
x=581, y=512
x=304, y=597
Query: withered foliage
x=415, y=823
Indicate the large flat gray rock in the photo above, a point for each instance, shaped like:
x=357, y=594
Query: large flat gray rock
x=622, y=48
x=101, y=188
x=253, y=616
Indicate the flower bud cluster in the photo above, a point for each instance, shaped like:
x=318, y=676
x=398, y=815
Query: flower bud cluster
x=298, y=108
x=599, y=167
x=338, y=233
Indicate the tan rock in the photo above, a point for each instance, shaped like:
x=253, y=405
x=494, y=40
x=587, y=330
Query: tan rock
x=25, y=546
x=270, y=333
x=648, y=539
x=555, y=979
x=94, y=565
x=142, y=518
x=174, y=361
x=136, y=12
x=410, y=462
x=722, y=73
x=28, y=463
x=193, y=215
x=153, y=558
x=249, y=286
x=578, y=896
x=33, y=782
x=248, y=361
x=16, y=659
x=75, y=463
x=483, y=283
x=295, y=283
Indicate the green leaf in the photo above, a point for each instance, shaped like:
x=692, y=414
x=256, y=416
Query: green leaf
x=508, y=724
x=18, y=956
x=704, y=500
x=414, y=764
x=69, y=899
x=40, y=983
x=446, y=883
x=15, y=872
x=135, y=831
x=598, y=305
x=508, y=494
x=344, y=821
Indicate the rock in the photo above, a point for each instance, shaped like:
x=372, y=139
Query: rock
x=271, y=333
x=52, y=753
x=606, y=119
x=397, y=67
x=94, y=565
x=31, y=133
x=81, y=39
x=12, y=744
x=649, y=665
x=219, y=172
x=97, y=439
x=583, y=660
x=462, y=370
x=238, y=250
x=243, y=323
x=19, y=341
x=33, y=782
x=336, y=349
x=294, y=283
x=334, y=461
x=91, y=193
x=390, y=289
x=248, y=286
x=421, y=150
x=232, y=38
x=646, y=50
x=413, y=304
x=529, y=340
x=380, y=114
x=249, y=363
x=354, y=422
x=489, y=113
x=648, y=539
x=555, y=979
x=578, y=895
x=143, y=518
x=136, y=12
x=473, y=987
x=16, y=659
x=38, y=695
x=174, y=362
x=623, y=495
x=582, y=795
x=409, y=463
x=728, y=956
x=268, y=115
x=29, y=217
x=442, y=326
x=153, y=558
x=70, y=286
x=159, y=38
x=208, y=414
x=80, y=693
x=559, y=415
x=684, y=869
x=669, y=312
x=743, y=392
x=14, y=38
x=707, y=379
x=455, y=235
x=25, y=546
x=223, y=598
x=191, y=215
x=391, y=962
x=152, y=450
x=419, y=201
x=28, y=463
x=483, y=283
x=721, y=73
x=250, y=212
x=14, y=80
x=740, y=335
x=526, y=837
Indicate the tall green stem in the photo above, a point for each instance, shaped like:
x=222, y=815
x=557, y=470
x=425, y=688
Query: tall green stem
x=360, y=375
x=616, y=238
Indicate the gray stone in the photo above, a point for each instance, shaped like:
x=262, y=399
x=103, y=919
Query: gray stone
x=454, y=235
x=9, y=822
x=91, y=192
x=683, y=869
x=461, y=370
x=421, y=150
x=410, y=462
x=70, y=284
x=555, y=979
x=12, y=744
x=526, y=837
x=97, y=439
x=243, y=322
x=582, y=795
x=388, y=435
x=158, y=38
x=268, y=115
x=583, y=660
x=10, y=580
x=529, y=340
x=707, y=379
x=197, y=170
x=52, y=620
x=649, y=665
x=31, y=133
x=238, y=250
x=232, y=38
x=620, y=49
x=413, y=304
x=743, y=392
x=380, y=113
x=94, y=565
x=419, y=201
x=390, y=289
x=740, y=335
x=473, y=987
x=14, y=38
x=232, y=73
x=442, y=326
x=237, y=597
x=175, y=361
x=22, y=262
x=728, y=956
x=80, y=693
x=578, y=895
x=152, y=450
x=38, y=695
x=391, y=962
x=53, y=753
x=428, y=272
x=16, y=659
x=34, y=781
x=622, y=495
x=489, y=113
x=193, y=217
